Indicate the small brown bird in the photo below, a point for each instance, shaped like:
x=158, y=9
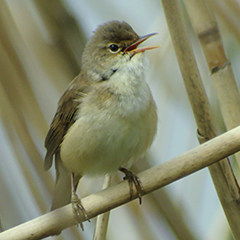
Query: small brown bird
x=107, y=117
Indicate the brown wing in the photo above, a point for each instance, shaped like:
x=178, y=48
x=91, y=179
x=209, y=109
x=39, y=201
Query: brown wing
x=64, y=118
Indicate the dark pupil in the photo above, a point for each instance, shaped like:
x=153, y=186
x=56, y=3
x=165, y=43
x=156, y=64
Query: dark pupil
x=114, y=47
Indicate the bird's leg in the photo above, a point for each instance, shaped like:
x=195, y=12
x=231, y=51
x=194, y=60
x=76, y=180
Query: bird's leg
x=133, y=179
x=77, y=206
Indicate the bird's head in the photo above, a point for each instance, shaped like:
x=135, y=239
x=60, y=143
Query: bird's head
x=112, y=46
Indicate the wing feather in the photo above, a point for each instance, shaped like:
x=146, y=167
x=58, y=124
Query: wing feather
x=67, y=111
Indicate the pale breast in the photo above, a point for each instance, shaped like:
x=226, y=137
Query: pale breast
x=101, y=142
x=116, y=124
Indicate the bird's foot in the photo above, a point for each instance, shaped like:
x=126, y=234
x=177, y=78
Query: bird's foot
x=133, y=179
x=78, y=208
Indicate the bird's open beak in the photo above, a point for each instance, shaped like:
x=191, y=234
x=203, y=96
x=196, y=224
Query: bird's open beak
x=133, y=47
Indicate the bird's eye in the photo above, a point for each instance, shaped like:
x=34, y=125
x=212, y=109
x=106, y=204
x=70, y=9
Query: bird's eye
x=114, y=48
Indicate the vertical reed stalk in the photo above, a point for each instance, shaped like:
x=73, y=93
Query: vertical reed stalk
x=206, y=27
x=102, y=220
x=223, y=178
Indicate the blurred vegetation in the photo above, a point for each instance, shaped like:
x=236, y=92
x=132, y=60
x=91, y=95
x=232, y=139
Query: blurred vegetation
x=41, y=43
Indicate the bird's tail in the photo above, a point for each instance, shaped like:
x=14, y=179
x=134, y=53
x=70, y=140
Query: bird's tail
x=62, y=189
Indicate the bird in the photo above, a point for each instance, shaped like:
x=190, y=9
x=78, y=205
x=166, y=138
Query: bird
x=107, y=117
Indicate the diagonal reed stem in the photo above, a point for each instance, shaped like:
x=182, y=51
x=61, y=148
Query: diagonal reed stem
x=152, y=179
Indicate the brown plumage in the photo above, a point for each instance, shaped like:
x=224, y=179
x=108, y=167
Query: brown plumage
x=107, y=117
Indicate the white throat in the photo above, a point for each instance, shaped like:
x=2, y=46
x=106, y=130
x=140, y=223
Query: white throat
x=129, y=83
